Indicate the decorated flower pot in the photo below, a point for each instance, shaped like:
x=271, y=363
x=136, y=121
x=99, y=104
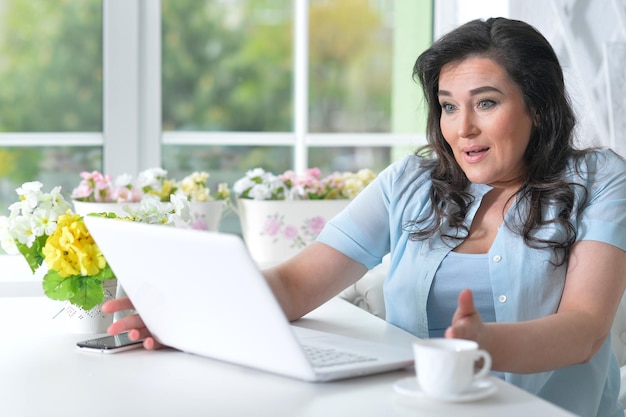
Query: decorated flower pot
x=92, y=321
x=275, y=230
x=206, y=215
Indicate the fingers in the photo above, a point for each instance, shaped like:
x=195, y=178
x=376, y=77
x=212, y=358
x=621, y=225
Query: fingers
x=136, y=331
x=151, y=344
x=118, y=304
x=132, y=324
x=450, y=333
x=127, y=323
x=466, y=321
x=465, y=305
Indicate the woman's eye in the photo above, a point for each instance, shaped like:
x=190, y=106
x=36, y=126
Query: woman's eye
x=447, y=107
x=486, y=104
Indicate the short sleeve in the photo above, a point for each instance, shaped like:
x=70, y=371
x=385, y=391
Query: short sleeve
x=361, y=230
x=373, y=222
x=603, y=217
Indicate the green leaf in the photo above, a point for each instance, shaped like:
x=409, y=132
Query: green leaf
x=82, y=291
x=103, y=214
x=57, y=287
x=88, y=293
x=33, y=255
x=104, y=274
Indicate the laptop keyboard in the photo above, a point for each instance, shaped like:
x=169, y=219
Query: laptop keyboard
x=325, y=357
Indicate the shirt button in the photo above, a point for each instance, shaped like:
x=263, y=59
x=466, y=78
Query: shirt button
x=502, y=298
x=497, y=258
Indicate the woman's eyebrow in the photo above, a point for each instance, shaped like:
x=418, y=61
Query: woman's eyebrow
x=485, y=89
x=473, y=92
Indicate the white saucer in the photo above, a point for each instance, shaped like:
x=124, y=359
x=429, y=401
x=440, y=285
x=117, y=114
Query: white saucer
x=479, y=389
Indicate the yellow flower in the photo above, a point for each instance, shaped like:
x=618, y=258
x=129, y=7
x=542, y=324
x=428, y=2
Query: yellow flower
x=194, y=187
x=223, y=193
x=355, y=182
x=365, y=176
x=168, y=188
x=90, y=260
x=71, y=250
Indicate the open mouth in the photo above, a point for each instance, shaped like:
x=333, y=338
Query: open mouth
x=475, y=152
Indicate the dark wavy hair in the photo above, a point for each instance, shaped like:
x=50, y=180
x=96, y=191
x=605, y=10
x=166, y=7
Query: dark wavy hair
x=532, y=64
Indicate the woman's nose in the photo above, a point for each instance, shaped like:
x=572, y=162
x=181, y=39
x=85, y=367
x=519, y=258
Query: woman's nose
x=467, y=127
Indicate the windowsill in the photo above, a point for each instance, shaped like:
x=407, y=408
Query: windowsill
x=17, y=280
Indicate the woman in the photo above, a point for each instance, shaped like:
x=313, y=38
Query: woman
x=505, y=234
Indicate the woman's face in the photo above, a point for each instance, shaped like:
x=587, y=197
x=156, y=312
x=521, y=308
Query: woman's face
x=485, y=121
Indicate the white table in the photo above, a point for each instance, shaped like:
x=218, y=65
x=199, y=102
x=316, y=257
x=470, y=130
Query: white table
x=42, y=374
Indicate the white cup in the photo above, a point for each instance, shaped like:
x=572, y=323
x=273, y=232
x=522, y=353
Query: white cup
x=446, y=367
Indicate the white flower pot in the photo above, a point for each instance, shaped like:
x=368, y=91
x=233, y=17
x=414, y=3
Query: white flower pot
x=94, y=321
x=206, y=215
x=276, y=230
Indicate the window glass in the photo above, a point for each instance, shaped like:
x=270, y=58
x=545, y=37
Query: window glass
x=50, y=81
x=350, y=65
x=345, y=158
x=227, y=66
x=51, y=66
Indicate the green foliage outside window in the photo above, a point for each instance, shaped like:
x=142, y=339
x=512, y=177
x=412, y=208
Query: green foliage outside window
x=227, y=67
x=51, y=66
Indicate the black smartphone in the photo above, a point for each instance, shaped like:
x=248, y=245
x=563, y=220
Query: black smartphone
x=109, y=344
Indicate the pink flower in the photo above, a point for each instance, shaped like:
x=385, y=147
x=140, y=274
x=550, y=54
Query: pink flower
x=95, y=186
x=290, y=232
x=125, y=195
x=271, y=226
x=289, y=177
x=313, y=174
x=199, y=224
x=83, y=190
x=316, y=224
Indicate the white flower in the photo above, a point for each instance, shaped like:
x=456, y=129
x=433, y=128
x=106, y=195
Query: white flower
x=6, y=238
x=30, y=193
x=20, y=208
x=260, y=192
x=22, y=230
x=151, y=178
x=152, y=210
x=54, y=201
x=182, y=210
x=34, y=215
x=241, y=185
x=43, y=221
x=123, y=181
x=260, y=185
x=255, y=172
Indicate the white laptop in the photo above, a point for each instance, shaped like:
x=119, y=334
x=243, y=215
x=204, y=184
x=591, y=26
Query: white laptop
x=201, y=292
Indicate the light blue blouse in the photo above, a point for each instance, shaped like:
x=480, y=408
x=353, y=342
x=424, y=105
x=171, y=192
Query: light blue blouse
x=457, y=272
x=525, y=284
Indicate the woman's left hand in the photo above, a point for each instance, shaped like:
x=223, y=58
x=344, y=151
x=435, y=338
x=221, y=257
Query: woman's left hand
x=466, y=322
x=133, y=324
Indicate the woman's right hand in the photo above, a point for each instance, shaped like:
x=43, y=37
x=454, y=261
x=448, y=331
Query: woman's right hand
x=137, y=330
